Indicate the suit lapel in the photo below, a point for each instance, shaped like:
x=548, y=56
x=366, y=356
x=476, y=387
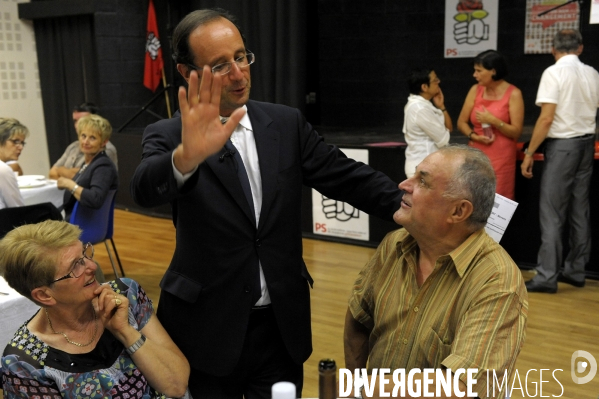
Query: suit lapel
x=267, y=145
x=226, y=172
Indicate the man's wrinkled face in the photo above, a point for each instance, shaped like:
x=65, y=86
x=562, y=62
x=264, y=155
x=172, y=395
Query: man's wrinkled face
x=423, y=207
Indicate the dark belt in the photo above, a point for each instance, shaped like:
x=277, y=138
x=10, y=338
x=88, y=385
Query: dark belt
x=584, y=136
x=264, y=307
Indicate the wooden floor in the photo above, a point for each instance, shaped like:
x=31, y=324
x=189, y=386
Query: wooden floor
x=558, y=324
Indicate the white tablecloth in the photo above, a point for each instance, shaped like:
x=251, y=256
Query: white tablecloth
x=46, y=193
x=14, y=311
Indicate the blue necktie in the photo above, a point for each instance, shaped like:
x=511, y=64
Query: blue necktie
x=247, y=190
x=241, y=174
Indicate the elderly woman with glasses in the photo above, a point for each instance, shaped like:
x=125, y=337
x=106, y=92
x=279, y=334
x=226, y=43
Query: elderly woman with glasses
x=98, y=175
x=12, y=142
x=87, y=340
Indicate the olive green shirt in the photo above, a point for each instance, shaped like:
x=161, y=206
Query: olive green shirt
x=470, y=312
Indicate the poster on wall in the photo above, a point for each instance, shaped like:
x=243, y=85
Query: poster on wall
x=544, y=20
x=470, y=27
x=594, y=12
x=340, y=219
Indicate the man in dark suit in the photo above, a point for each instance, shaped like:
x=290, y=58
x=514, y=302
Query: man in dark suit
x=235, y=298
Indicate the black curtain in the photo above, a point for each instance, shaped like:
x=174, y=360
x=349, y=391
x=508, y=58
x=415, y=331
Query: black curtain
x=68, y=75
x=276, y=32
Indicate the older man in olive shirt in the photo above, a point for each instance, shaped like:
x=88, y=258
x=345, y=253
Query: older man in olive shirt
x=440, y=293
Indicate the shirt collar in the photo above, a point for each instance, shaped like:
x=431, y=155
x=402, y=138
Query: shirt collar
x=568, y=58
x=417, y=97
x=245, y=121
x=462, y=256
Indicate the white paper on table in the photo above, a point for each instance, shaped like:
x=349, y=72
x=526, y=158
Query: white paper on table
x=500, y=217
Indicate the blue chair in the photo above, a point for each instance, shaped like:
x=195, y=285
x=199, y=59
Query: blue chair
x=98, y=226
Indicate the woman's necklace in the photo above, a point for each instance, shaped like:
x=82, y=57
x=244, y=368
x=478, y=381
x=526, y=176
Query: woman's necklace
x=67, y=338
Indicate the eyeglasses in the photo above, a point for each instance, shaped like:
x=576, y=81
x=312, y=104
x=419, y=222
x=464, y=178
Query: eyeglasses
x=222, y=69
x=17, y=142
x=79, y=265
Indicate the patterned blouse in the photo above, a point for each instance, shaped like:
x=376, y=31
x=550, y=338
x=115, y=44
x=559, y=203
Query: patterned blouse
x=32, y=369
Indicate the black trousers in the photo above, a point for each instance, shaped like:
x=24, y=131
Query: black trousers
x=264, y=361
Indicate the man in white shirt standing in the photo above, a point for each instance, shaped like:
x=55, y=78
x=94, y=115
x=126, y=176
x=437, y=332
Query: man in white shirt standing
x=568, y=96
x=426, y=126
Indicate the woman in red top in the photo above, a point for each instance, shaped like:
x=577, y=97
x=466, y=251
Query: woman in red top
x=499, y=104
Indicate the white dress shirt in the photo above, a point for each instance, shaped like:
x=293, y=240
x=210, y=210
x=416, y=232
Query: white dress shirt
x=245, y=143
x=424, y=130
x=574, y=87
x=10, y=196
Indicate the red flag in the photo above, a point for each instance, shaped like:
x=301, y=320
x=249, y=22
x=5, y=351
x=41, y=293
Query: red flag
x=154, y=63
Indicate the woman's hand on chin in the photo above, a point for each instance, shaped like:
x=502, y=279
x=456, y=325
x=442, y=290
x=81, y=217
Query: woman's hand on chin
x=112, y=309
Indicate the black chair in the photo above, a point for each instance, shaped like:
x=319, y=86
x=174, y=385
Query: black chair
x=28, y=214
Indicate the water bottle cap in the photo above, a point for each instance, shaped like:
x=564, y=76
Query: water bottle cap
x=327, y=364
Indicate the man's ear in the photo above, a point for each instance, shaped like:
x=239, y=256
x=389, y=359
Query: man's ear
x=579, y=51
x=424, y=88
x=184, y=70
x=43, y=295
x=461, y=211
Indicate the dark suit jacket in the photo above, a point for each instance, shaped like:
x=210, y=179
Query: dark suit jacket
x=206, y=299
x=97, y=179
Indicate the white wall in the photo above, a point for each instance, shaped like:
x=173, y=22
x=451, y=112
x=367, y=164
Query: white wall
x=20, y=94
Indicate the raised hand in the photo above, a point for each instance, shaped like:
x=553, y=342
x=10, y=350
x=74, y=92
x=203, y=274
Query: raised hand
x=202, y=133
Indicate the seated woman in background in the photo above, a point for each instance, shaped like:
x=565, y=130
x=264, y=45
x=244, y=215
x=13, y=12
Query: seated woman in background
x=98, y=174
x=87, y=340
x=12, y=142
x=498, y=104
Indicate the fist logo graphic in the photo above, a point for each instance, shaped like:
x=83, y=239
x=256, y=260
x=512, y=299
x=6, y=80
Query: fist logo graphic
x=341, y=211
x=470, y=27
x=152, y=45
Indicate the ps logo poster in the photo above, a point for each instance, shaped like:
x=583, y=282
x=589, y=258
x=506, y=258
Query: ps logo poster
x=340, y=219
x=470, y=27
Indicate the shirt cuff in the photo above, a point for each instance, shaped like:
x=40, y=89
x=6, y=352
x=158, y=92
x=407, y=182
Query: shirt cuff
x=180, y=177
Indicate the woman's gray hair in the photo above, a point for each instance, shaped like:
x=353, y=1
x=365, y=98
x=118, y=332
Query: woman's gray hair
x=475, y=181
x=10, y=127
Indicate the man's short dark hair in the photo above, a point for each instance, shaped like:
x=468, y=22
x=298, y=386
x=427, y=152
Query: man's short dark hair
x=417, y=78
x=182, y=53
x=492, y=59
x=87, y=107
x=567, y=41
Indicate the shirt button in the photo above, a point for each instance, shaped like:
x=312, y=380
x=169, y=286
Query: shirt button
x=258, y=242
x=405, y=341
x=416, y=309
x=247, y=288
